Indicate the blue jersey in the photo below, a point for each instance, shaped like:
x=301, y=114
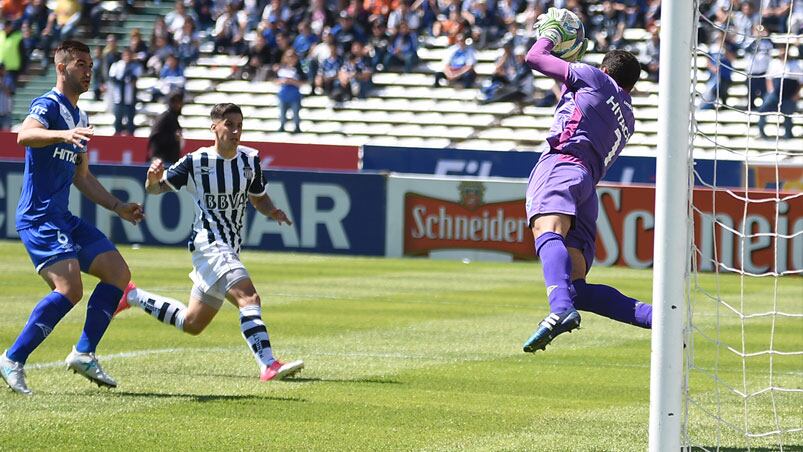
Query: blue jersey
x=49, y=170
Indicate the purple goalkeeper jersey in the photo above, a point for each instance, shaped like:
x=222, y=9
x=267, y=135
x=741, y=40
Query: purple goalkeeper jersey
x=593, y=120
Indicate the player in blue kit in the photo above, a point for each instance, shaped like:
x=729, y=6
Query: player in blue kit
x=593, y=121
x=60, y=244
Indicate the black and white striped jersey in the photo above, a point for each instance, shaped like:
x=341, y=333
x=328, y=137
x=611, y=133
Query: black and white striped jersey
x=220, y=188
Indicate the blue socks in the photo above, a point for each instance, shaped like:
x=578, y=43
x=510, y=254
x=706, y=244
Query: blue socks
x=609, y=302
x=46, y=314
x=99, y=311
x=557, y=265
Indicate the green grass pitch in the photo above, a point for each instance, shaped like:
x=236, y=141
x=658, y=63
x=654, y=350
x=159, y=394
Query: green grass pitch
x=401, y=354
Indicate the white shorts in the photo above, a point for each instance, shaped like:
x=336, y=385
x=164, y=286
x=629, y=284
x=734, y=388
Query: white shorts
x=217, y=293
x=210, y=264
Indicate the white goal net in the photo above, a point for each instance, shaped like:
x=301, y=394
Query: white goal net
x=743, y=374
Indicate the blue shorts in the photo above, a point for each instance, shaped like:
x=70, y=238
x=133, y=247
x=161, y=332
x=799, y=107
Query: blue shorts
x=561, y=184
x=64, y=238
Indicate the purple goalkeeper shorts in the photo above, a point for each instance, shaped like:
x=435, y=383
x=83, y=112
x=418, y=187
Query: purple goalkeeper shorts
x=560, y=183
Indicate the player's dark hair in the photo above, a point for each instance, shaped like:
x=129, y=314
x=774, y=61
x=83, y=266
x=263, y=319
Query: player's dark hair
x=623, y=67
x=67, y=51
x=221, y=110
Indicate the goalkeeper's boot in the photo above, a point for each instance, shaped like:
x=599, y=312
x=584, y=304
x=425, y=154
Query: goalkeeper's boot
x=123, y=304
x=552, y=326
x=279, y=370
x=14, y=375
x=87, y=365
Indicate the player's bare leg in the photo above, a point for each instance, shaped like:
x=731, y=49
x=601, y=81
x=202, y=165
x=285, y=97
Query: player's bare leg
x=244, y=295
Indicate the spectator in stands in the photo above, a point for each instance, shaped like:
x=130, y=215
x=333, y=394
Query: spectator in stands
x=427, y=10
x=378, y=8
x=160, y=50
x=98, y=76
x=92, y=12
x=608, y=28
x=27, y=45
x=138, y=48
x=650, y=54
x=506, y=11
x=229, y=32
x=123, y=76
x=402, y=50
x=258, y=54
x=347, y=32
x=652, y=13
x=784, y=82
x=320, y=17
x=362, y=16
x=304, y=41
x=720, y=70
x=6, y=101
x=171, y=79
x=176, y=19
x=512, y=79
x=377, y=48
x=452, y=26
x=757, y=58
x=165, y=141
x=37, y=16
x=111, y=54
x=484, y=25
x=290, y=78
x=743, y=23
x=205, y=12
x=276, y=11
x=775, y=15
x=354, y=77
x=326, y=76
x=403, y=13
x=160, y=31
x=11, y=53
x=68, y=15
x=458, y=66
x=188, y=43
x=318, y=54
x=13, y=10
x=277, y=52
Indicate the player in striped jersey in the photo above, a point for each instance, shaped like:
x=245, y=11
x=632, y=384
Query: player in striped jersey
x=221, y=179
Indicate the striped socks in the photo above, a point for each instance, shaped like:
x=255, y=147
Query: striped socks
x=256, y=334
x=166, y=310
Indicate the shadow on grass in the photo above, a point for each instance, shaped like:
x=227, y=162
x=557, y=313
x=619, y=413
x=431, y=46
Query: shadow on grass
x=786, y=447
x=342, y=380
x=203, y=398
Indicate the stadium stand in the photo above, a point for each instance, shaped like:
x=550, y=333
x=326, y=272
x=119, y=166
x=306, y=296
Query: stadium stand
x=403, y=109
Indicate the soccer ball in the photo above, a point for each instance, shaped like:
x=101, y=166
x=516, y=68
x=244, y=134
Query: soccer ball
x=573, y=34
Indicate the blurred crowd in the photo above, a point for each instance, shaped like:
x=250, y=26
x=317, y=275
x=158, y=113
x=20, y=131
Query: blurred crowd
x=335, y=47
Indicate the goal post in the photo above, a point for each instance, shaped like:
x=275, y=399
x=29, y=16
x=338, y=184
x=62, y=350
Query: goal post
x=671, y=224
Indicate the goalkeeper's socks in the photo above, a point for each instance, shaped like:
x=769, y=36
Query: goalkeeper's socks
x=256, y=334
x=46, y=314
x=167, y=310
x=99, y=311
x=557, y=265
x=609, y=302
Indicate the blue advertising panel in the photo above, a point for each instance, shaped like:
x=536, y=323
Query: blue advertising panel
x=462, y=162
x=341, y=213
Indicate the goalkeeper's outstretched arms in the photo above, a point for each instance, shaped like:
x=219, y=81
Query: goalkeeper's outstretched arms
x=540, y=59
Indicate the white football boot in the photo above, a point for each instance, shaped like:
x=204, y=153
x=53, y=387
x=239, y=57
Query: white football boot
x=14, y=375
x=87, y=365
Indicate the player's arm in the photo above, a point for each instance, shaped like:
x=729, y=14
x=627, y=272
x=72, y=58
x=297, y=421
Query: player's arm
x=155, y=183
x=540, y=59
x=89, y=185
x=264, y=205
x=35, y=134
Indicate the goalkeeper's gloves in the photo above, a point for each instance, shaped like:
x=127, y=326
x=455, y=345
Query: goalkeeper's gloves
x=549, y=25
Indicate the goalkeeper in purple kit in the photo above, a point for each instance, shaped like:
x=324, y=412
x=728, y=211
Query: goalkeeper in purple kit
x=593, y=121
